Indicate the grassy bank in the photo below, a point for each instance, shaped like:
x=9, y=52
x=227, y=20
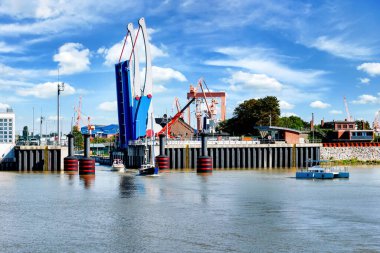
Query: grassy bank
x=354, y=161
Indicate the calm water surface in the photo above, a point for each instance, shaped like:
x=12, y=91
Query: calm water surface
x=228, y=211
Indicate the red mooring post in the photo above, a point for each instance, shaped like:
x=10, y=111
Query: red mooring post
x=162, y=160
x=204, y=162
x=86, y=164
x=70, y=163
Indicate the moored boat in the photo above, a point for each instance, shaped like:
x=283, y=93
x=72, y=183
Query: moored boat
x=118, y=165
x=149, y=167
x=319, y=172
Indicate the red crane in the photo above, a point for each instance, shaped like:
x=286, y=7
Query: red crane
x=168, y=126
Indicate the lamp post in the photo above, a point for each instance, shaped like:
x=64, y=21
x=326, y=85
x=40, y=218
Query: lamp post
x=270, y=120
x=60, y=87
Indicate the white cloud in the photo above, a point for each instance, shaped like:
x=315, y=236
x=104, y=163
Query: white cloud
x=4, y=106
x=340, y=48
x=242, y=80
x=108, y=106
x=288, y=114
x=162, y=75
x=319, y=104
x=45, y=90
x=5, y=48
x=265, y=61
x=371, y=68
x=11, y=84
x=159, y=88
x=112, y=54
x=20, y=73
x=47, y=17
x=366, y=99
x=335, y=112
x=72, y=58
x=364, y=80
x=285, y=105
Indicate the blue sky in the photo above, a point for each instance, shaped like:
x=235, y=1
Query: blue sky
x=310, y=54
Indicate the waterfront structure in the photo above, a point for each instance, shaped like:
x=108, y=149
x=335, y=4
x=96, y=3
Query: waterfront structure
x=134, y=97
x=274, y=133
x=346, y=131
x=7, y=133
x=230, y=154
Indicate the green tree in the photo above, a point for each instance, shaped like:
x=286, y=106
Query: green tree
x=293, y=122
x=361, y=123
x=250, y=113
x=78, y=138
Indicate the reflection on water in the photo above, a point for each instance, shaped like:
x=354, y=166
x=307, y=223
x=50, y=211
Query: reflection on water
x=226, y=211
x=87, y=180
x=127, y=186
x=71, y=175
x=203, y=185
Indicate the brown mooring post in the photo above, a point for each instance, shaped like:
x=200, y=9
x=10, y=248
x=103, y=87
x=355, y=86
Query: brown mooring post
x=70, y=163
x=204, y=162
x=86, y=164
x=162, y=160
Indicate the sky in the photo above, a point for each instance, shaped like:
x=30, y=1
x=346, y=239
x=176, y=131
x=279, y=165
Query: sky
x=309, y=54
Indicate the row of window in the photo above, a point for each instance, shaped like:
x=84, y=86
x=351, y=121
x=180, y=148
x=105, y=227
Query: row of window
x=6, y=120
x=344, y=126
x=5, y=134
x=6, y=128
x=5, y=140
x=6, y=124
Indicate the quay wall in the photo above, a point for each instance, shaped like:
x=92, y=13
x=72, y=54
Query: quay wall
x=232, y=155
x=39, y=158
x=369, y=153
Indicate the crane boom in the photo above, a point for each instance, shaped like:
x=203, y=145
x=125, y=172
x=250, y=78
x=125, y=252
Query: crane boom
x=347, y=111
x=168, y=126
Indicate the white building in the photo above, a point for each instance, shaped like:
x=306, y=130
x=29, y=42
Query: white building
x=7, y=133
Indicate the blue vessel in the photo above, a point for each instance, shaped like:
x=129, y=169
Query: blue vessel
x=319, y=172
x=315, y=172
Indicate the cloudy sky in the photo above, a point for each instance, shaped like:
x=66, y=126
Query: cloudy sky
x=310, y=54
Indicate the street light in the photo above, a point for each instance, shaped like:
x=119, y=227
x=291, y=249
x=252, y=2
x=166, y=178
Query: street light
x=60, y=87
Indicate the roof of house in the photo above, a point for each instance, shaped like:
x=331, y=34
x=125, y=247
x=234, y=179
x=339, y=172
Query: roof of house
x=276, y=128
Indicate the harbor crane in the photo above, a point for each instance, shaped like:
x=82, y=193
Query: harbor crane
x=376, y=122
x=168, y=126
x=349, y=118
x=202, y=97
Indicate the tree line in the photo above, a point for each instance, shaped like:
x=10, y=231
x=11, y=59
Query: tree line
x=259, y=112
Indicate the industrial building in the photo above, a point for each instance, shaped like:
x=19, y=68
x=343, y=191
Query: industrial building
x=7, y=132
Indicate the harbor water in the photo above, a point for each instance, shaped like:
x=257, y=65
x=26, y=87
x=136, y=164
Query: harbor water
x=228, y=211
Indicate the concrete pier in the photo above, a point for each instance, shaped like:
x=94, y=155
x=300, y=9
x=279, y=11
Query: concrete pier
x=39, y=158
x=237, y=154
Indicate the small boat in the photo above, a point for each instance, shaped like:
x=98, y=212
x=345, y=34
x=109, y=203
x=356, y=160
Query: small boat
x=319, y=172
x=148, y=167
x=118, y=165
x=315, y=172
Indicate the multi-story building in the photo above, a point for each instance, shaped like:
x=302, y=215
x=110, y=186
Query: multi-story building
x=7, y=132
x=346, y=131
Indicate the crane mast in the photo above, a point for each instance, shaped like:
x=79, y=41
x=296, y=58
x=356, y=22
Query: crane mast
x=347, y=111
